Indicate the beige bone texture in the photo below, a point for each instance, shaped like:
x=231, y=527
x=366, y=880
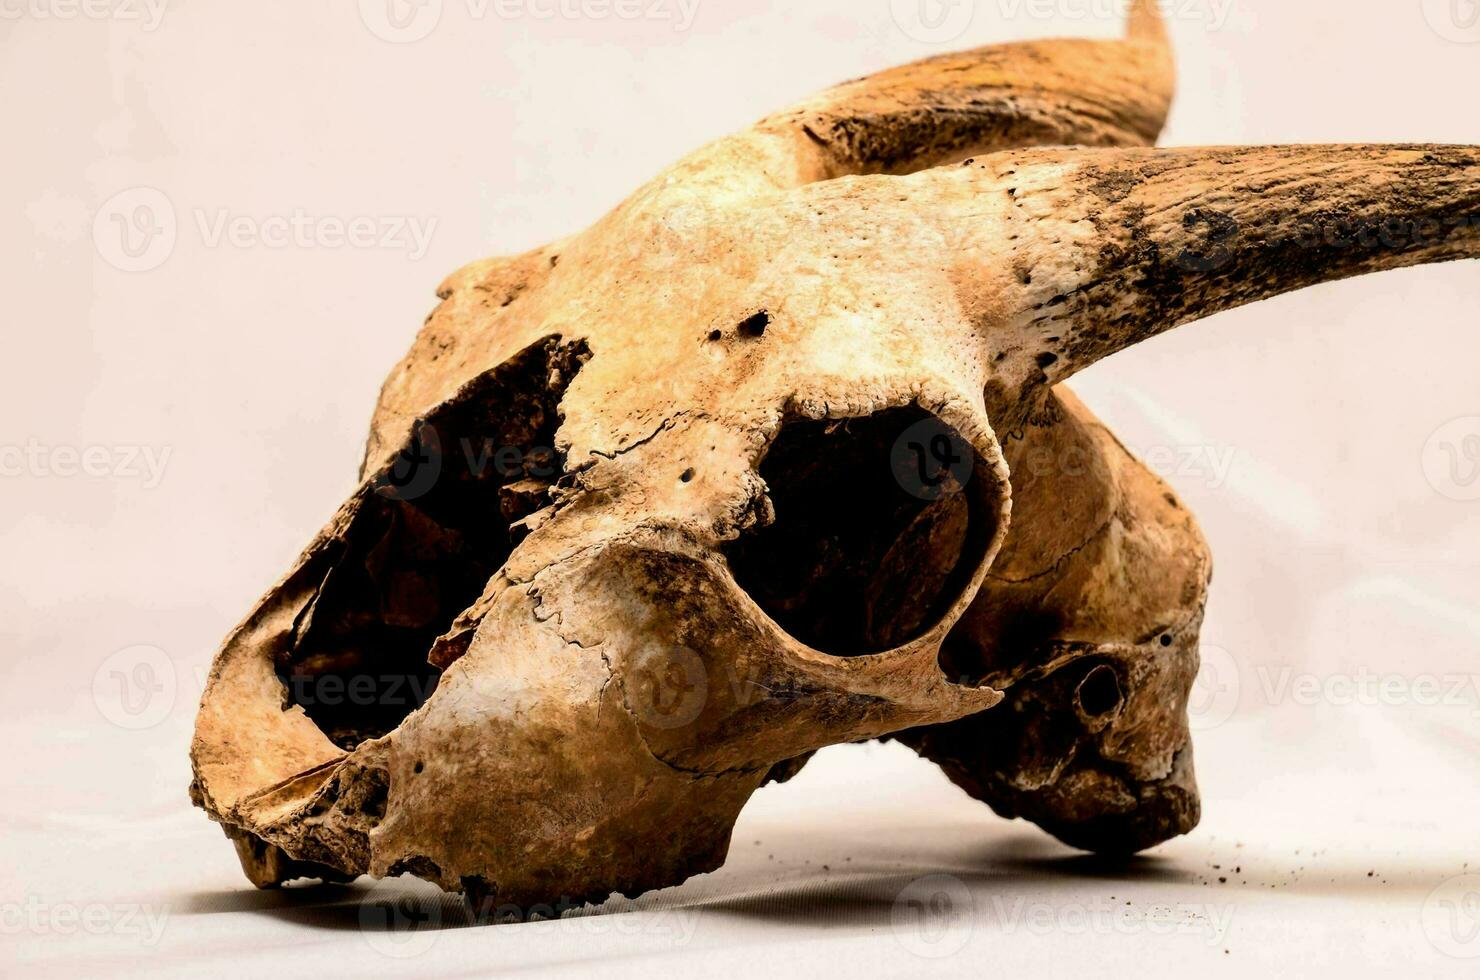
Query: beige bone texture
x=777, y=456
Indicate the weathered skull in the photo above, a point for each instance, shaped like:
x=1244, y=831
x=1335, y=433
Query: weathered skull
x=650, y=514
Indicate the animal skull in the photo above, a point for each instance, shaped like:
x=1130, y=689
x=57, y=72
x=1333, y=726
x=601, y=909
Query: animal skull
x=777, y=456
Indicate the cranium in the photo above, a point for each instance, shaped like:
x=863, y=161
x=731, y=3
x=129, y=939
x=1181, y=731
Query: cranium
x=777, y=456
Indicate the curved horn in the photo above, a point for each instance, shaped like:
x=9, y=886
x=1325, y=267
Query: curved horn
x=947, y=108
x=1111, y=247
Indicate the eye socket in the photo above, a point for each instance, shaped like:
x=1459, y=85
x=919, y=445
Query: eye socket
x=881, y=522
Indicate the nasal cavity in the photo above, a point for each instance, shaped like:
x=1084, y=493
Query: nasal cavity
x=880, y=524
x=440, y=521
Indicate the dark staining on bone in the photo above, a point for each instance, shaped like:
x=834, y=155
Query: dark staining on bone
x=908, y=134
x=942, y=123
x=1267, y=232
x=429, y=532
x=863, y=556
x=1020, y=639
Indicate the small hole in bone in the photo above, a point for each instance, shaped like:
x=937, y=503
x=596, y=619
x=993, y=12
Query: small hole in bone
x=1166, y=639
x=755, y=325
x=715, y=335
x=881, y=521
x=419, y=767
x=1099, y=694
x=687, y=475
x=1047, y=359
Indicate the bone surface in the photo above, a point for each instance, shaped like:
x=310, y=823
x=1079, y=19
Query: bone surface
x=775, y=456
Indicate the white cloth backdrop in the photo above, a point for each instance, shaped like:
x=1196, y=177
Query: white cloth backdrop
x=215, y=396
